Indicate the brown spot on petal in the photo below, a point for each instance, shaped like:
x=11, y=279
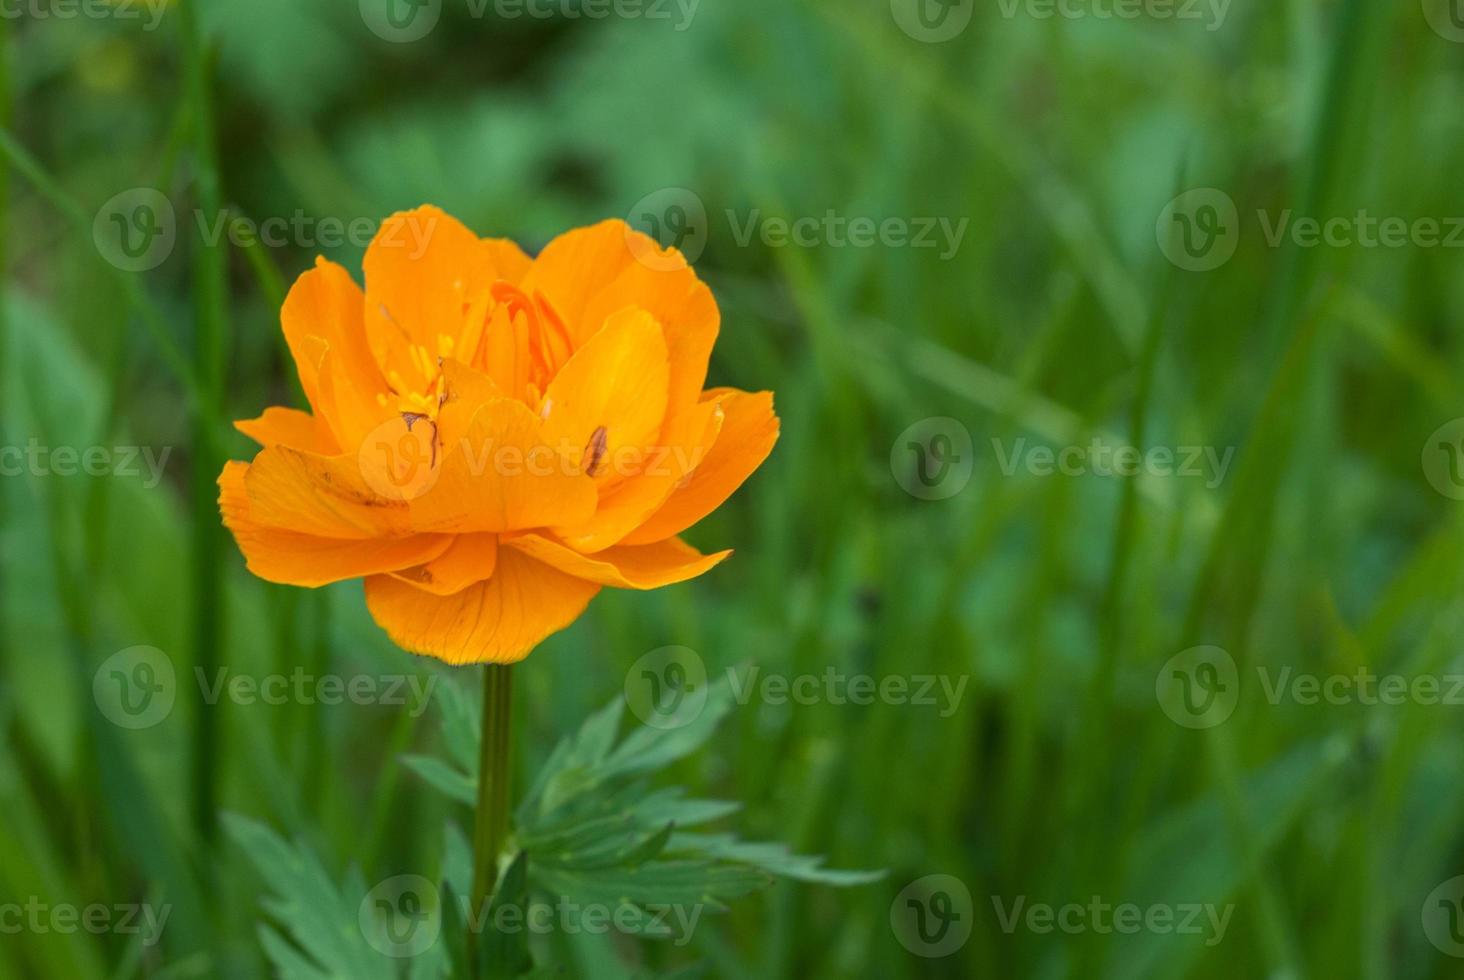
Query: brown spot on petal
x=411, y=418
x=595, y=450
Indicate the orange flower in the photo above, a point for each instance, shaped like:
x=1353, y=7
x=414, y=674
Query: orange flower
x=493, y=437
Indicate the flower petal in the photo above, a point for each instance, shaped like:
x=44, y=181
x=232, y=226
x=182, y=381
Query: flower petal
x=667, y=288
x=292, y=558
x=497, y=621
x=470, y=559
x=290, y=427
x=424, y=270
x=645, y=482
x=464, y=392
x=616, y=383
x=509, y=261
x=590, y=274
x=647, y=566
x=322, y=495
x=749, y=430
x=502, y=476
x=578, y=264
x=323, y=312
x=353, y=414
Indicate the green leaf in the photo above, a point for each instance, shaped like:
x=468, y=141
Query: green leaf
x=443, y=777
x=685, y=884
x=503, y=953
x=457, y=859
x=592, y=831
x=647, y=749
x=670, y=806
x=322, y=922
x=614, y=851
x=289, y=962
x=461, y=724
x=575, y=764
x=772, y=857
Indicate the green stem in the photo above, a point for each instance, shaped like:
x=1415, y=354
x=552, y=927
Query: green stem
x=209, y=352
x=4, y=274
x=491, y=823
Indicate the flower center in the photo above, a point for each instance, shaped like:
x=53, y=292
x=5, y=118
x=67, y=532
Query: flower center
x=518, y=341
x=420, y=394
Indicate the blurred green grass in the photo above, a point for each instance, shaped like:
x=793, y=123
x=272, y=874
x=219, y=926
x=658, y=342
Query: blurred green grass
x=1059, y=598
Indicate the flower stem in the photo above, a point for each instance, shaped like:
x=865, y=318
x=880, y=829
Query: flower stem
x=491, y=824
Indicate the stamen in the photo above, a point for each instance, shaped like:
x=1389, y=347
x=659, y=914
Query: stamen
x=421, y=360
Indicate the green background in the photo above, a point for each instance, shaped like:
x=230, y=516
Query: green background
x=1057, y=600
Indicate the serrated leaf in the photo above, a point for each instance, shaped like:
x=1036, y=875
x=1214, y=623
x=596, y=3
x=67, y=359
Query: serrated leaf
x=577, y=836
x=577, y=764
x=614, y=851
x=670, y=806
x=597, y=734
x=661, y=883
x=647, y=749
x=305, y=901
x=591, y=830
x=289, y=962
x=532, y=805
x=585, y=762
x=770, y=856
